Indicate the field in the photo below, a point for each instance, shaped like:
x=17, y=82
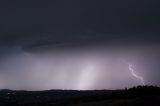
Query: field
x=137, y=96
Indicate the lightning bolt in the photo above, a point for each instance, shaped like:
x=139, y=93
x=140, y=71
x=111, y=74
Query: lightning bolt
x=130, y=66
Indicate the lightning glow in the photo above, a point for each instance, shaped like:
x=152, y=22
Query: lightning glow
x=83, y=70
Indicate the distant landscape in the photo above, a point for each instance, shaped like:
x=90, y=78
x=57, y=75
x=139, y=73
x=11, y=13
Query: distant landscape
x=136, y=96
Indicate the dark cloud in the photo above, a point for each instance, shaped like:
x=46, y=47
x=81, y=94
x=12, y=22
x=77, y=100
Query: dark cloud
x=111, y=16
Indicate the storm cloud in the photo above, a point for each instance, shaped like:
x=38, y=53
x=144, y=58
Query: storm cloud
x=78, y=44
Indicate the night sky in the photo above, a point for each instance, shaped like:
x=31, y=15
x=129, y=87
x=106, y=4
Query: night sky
x=79, y=44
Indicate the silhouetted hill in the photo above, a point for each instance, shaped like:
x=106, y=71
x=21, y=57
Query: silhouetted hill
x=139, y=95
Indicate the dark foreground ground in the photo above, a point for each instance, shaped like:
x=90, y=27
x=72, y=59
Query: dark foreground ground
x=137, y=96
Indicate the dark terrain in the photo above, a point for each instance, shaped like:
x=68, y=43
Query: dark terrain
x=136, y=96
